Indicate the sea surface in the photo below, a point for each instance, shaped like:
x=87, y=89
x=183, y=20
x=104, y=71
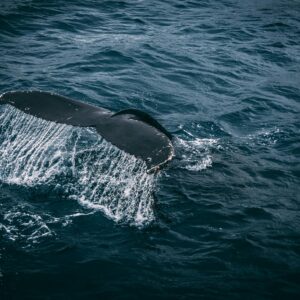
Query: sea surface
x=80, y=219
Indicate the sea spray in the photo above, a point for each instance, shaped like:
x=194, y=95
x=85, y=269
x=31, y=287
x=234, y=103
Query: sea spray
x=35, y=152
x=195, y=154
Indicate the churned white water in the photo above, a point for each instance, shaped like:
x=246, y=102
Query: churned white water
x=195, y=154
x=35, y=152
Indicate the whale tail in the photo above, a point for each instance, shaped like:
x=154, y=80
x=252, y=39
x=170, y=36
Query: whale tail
x=131, y=130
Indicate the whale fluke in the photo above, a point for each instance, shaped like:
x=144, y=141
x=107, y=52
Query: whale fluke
x=131, y=130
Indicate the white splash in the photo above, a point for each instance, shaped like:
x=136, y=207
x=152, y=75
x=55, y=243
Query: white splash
x=24, y=224
x=265, y=137
x=18, y=224
x=195, y=153
x=98, y=175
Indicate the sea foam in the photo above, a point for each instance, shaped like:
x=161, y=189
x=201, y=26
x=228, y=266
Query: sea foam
x=35, y=152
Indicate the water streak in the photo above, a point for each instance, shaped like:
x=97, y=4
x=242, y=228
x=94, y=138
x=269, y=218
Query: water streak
x=35, y=152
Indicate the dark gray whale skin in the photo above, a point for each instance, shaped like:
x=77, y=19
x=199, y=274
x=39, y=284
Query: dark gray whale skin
x=131, y=130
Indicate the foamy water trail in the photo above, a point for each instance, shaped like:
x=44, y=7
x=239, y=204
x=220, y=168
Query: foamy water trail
x=98, y=175
x=194, y=153
x=19, y=224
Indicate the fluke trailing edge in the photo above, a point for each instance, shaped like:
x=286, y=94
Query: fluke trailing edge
x=131, y=130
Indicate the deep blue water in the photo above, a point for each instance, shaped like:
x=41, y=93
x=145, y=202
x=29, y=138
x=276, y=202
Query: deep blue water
x=222, y=220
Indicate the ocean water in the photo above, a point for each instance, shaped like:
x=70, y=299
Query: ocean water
x=80, y=219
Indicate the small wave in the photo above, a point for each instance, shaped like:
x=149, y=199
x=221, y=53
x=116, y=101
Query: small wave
x=195, y=153
x=35, y=152
x=7, y=7
x=23, y=225
x=266, y=137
